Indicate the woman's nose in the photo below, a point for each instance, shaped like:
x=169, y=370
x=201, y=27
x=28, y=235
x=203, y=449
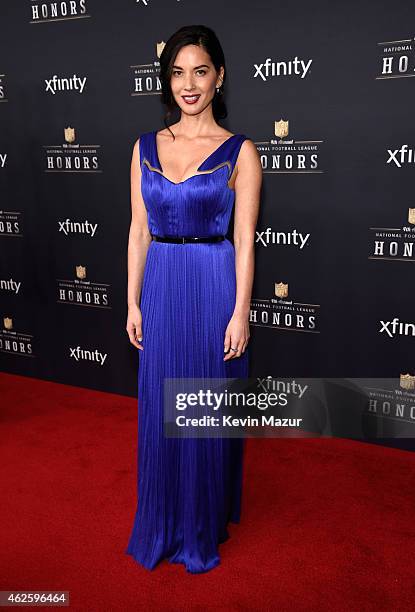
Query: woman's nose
x=188, y=82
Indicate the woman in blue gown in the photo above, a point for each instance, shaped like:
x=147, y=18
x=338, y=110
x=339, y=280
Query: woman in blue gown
x=188, y=301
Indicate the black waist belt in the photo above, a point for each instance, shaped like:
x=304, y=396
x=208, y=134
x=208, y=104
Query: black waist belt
x=183, y=239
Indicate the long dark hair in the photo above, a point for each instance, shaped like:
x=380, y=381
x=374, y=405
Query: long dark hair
x=191, y=35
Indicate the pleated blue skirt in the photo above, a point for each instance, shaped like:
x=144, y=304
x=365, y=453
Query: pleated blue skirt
x=189, y=489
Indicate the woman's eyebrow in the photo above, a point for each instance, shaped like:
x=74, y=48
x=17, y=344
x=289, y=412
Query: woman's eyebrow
x=195, y=68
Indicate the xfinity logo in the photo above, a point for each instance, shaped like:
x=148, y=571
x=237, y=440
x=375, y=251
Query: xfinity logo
x=270, y=237
x=10, y=285
x=82, y=354
x=73, y=83
x=273, y=384
x=404, y=151
x=271, y=69
x=77, y=227
x=394, y=327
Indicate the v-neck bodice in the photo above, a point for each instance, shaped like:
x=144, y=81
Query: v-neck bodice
x=200, y=168
x=201, y=204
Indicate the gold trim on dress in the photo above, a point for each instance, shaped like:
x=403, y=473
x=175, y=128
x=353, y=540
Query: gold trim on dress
x=225, y=163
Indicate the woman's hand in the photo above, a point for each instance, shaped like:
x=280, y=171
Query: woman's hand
x=134, y=326
x=236, y=336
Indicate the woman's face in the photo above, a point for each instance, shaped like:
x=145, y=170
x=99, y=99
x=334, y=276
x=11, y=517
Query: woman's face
x=194, y=79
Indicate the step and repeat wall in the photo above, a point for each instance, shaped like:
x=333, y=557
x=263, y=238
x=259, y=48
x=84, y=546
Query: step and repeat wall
x=324, y=90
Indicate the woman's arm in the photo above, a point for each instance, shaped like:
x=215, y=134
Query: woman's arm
x=247, y=197
x=138, y=242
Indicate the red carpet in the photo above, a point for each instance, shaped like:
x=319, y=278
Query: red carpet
x=327, y=524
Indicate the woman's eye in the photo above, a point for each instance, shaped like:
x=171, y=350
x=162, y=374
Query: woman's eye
x=178, y=72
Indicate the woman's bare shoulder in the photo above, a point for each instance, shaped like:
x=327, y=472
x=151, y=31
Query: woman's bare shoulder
x=248, y=148
x=248, y=158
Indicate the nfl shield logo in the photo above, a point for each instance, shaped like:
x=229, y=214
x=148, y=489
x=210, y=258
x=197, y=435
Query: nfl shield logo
x=407, y=381
x=159, y=48
x=281, y=128
x=81, y=271
x=281, y=290
x=69, y=134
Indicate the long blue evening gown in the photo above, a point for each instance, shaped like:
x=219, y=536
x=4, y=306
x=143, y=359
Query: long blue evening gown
x=188, y=489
